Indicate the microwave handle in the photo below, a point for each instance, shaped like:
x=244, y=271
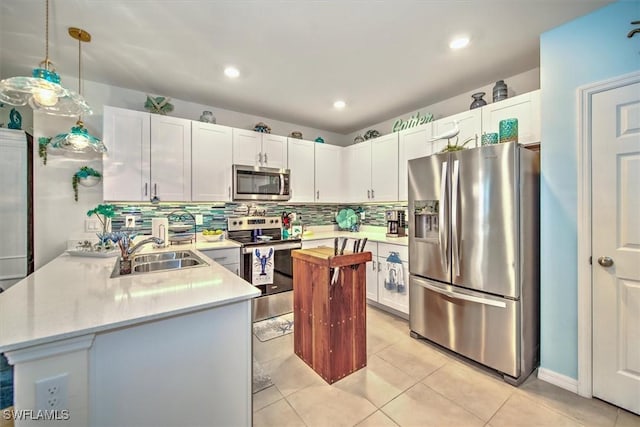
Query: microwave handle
x=282, y=189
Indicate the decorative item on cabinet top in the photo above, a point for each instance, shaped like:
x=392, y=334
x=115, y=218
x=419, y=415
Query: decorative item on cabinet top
x=358, y=139
x=296, y=134
x=371, y=133
x=262, y=128
x=500, y=91
x=207, y=117
x=412, y=121
x=477, y=100
x=320, y=140
x=158, y=105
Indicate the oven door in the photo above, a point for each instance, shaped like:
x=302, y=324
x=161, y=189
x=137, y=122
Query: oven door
x=282, y=267
x=258, y=183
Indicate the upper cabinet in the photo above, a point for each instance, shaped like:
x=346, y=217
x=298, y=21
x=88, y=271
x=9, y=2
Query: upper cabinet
x=211, y=160
x=170, y=158
x=127, y=164
x=525, y=108
x=469, y=124
x=413, y=143
x=371, y=170
x=259, y=149
x=149, y=157
x=301, y=155
x=328, y=171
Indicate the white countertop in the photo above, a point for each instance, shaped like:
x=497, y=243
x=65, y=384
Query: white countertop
x=374, y=234
x=73, y=296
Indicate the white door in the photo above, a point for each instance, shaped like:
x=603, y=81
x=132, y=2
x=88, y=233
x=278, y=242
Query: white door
x=170, y=158
x=274, y=151
x=302, y=168
x=211, y=158
x=384, y=168
x=616, y=246
x=247, y=147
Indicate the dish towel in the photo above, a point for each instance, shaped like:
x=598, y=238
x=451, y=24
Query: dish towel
x=262, y=266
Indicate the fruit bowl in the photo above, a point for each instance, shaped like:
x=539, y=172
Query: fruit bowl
x=213, y=237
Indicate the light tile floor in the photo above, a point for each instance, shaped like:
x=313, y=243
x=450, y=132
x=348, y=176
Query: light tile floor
x=408, y=382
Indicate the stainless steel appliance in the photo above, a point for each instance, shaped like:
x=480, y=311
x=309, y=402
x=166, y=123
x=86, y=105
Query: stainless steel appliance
x=473, y=255
x=396, y=223
x=261, y=232
x=259, y=183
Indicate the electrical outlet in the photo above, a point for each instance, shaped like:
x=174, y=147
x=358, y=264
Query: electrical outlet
x=130, y=221
x=362, y=215
x=91, y=226
x=52, y=393
x=199, y=219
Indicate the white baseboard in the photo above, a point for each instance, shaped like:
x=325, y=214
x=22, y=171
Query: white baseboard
x=559, y=380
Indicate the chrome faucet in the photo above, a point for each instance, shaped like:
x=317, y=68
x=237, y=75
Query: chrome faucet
x=137, y=246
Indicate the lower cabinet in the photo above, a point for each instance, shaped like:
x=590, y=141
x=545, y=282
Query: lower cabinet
x=228, y=258
x=388, y=280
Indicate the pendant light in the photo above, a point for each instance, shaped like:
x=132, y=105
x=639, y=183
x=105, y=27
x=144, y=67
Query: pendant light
x=42, y=91
x=78, y=140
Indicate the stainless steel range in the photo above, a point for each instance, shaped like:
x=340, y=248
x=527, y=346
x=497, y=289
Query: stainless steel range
x=257, y=235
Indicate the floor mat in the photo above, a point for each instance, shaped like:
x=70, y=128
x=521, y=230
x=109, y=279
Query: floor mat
x=274, y=327
x=261, y=379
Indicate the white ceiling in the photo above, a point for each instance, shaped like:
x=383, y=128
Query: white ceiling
x=384, y=58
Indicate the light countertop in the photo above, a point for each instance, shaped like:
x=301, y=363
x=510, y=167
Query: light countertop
x=73, y=296
x=374, y=234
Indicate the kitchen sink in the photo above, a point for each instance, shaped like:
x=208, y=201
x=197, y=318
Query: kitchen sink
x=161, y=261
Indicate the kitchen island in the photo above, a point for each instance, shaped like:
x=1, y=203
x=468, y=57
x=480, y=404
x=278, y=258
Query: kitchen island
x=162, y=348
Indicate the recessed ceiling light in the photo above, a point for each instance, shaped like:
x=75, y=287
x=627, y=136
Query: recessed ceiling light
x=231, y=72
x=339, y=104
x=459, y=43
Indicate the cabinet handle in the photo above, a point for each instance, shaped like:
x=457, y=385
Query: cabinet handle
x=368, y=194
x=318, y=194
x=237, y=272
x=379, y=267
x=146, y=189
x=373, y=265
x=260, y=157
x=229, y=191
x=265, y=159
x=373, y=195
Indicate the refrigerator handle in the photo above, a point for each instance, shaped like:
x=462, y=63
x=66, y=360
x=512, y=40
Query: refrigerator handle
x=459, y=296
x=454, y=218
x=441, y=218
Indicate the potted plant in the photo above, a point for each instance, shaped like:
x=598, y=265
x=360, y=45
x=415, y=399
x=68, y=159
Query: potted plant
x=104, y=213
x=87, y=177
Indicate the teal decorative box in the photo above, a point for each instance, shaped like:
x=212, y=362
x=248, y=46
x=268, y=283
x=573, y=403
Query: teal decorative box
x=508, y=130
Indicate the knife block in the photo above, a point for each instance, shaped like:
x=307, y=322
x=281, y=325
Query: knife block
x=330, y=321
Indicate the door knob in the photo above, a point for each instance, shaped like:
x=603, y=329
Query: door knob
x=605, y=261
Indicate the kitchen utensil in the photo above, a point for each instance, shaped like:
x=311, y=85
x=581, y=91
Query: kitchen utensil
x=364, y=242
x=344, y=244
x=335, y=246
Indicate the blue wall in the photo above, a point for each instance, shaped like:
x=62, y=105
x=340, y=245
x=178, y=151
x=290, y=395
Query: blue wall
x=586, y=50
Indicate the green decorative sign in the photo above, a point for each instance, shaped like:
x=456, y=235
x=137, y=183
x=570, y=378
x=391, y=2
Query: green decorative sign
x=412, y=121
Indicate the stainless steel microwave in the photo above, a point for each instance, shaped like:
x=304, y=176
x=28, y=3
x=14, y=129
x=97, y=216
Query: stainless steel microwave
x=259, y=183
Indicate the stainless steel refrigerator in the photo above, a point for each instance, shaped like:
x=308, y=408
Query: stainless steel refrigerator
x=474, y=255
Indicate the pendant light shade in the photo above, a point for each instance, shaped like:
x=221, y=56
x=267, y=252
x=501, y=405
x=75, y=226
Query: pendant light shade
x=42, y=91
x=78, y=140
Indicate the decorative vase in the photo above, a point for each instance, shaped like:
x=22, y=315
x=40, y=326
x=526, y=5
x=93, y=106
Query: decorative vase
x=125, y=266
x=358, y=139
x=477, y=100
x=207, y=117
x=320, y=140
x=489, y=138
x=296, y=134
x=500, y=91
x=508, y=130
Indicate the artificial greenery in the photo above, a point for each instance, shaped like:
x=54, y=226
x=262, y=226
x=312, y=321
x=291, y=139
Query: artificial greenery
x=43, y=141
x=84, y=172
x=104, y=213
x=456, y=147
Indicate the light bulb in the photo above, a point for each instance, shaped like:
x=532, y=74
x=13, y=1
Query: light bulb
x=79, y=142
x=46, y=97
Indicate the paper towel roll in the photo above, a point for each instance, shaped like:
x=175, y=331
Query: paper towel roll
x=160, y=229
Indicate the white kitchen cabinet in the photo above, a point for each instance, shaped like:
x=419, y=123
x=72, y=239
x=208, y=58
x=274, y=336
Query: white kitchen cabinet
x=228, y=258
x=357, y=172
x=372, y=272
x=259, y=149
x=371, y=170
x=211, y=160
x=393, y=291
x=301, y=155
x=149, y=156
x=413, y=143
x=469, y=123
x=170, y=158
x=525, y=108
x=127, y=164
x=328, y=174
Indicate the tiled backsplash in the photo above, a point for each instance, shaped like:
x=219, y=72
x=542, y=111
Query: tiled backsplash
x=215, y=214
